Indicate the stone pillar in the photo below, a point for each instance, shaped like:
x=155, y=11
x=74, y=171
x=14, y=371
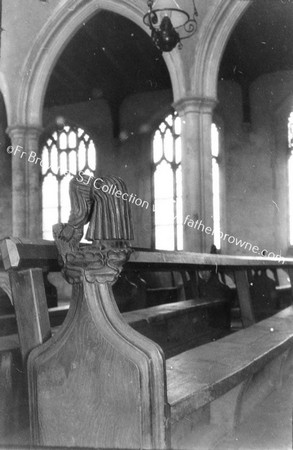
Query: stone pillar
x=19, y=180
x=34, y=187
x=196, y=116
x=26, y=213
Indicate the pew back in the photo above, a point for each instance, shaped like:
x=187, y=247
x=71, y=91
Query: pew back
x=134, y=382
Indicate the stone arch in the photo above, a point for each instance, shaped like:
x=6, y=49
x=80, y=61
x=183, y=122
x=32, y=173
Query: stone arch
x=212, y=39
x=54, y=37
x=4, y=92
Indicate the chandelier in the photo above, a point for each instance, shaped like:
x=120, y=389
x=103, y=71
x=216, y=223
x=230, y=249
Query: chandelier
x=169, y=24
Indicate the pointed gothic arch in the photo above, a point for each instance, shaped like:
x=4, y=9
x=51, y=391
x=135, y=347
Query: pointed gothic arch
x=212, y=38
x=55, y=35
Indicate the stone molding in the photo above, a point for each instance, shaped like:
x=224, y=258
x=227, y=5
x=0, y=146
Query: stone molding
x=192, y=104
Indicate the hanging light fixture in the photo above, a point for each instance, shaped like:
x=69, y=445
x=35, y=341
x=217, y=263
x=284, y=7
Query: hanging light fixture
x=169, y=24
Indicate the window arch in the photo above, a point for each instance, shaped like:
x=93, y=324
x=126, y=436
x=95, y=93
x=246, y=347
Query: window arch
x=215, y=149
x=66, y=152
x=290, y=175
x=167, y=185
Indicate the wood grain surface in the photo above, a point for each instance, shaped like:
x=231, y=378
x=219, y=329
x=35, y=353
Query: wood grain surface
x=94, y=384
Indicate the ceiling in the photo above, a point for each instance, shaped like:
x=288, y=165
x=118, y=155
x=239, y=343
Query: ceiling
x=261, y=42
x=111, y=57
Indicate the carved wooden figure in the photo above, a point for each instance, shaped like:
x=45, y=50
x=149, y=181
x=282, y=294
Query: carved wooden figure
x=97, y=382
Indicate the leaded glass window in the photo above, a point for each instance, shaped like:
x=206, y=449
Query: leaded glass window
x=167, y=183
x=65, y=153
x=216, y=184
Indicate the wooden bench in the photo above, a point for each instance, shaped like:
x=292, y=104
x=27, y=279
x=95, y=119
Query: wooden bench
x=126, y=301
x=97, y=382
x=211, y=378
x=206, y=388
x=8, y=323
x=14, y=414
x=186, y=324
x=182, y=325
x=176, y=327
x=213, y=388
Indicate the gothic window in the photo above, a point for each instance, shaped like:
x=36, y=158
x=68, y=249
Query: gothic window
x=65, y=153
x=167, y=185
x=216, y=184
x=290, y=167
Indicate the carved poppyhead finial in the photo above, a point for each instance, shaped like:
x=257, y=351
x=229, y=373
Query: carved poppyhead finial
x=110, y=227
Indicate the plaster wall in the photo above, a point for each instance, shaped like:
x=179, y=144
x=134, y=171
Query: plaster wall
x=272, y=104
x=248, y=174
x=256, y=164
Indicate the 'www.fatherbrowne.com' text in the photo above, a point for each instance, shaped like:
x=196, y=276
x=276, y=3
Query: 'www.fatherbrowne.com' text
x=200, y=226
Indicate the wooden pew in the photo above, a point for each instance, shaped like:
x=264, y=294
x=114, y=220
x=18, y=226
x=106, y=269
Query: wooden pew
x=97, y=382
x=213, y=388
x=14, y=411
x=188, y=404
x=13, y=389
x=132, y=293
x=4, y=280
x=179, y=326
x=176, y=325
x=8, y=323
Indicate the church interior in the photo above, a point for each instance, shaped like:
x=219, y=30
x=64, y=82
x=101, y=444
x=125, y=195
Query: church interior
x=202, y=137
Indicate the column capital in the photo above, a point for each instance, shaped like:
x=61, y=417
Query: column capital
x=191, y=104
x=22, y=131
x=16, y=132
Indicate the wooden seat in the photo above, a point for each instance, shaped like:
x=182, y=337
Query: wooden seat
x=8, y=323
x=174, y=326
x=167, y=311
x=199, y=376
x=14, y=408
x=98, y=382
x=182, y=325
x=202, y=381
x=214, y=387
